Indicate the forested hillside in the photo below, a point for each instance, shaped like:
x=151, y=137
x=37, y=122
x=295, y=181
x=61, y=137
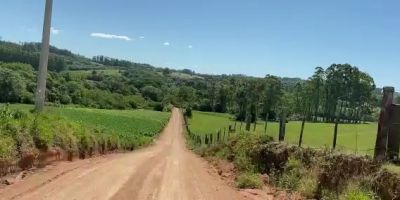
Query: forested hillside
x=340, y=90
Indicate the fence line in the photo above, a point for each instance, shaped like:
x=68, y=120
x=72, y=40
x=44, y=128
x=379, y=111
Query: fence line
x=223, y=134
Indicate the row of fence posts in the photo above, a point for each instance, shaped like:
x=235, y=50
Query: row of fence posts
x=222, y=135
x=387, y=142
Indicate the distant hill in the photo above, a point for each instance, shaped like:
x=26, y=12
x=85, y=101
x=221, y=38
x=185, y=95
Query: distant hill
x=62, y=59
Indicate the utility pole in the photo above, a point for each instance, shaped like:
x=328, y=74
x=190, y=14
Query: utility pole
x=44, y=57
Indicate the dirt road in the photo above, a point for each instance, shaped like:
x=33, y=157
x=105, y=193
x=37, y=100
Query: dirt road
x=164, y=171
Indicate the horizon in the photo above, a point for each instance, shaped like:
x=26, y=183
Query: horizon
x=252, y=38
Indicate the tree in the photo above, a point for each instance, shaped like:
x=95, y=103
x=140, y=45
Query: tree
x=152, y=93
x=317, y=82
x=12, y=86
x=186, y=97
x=272, y=96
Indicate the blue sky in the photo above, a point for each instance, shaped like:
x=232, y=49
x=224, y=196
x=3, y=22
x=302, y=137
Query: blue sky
x=253, y=37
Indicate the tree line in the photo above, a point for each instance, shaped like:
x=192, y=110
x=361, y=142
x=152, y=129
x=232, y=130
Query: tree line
x=338, y=92
x=29, y=53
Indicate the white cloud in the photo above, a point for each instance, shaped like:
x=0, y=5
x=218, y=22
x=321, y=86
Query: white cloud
x=166, y=44
x=110, y=36
x=190, y=46
x=55, y=31
x=141, y=37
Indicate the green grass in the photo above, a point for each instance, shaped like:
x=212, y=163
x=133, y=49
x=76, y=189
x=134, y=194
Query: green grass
x=352, y=138
x=205, y=122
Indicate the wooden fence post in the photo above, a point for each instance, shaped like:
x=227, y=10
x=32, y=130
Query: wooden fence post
x=335, y=132
x=384, y=124
x=199, y=140
x=394, y=133
x=282, y=127
x=337, y=118
x=266, y=122
x=302, y=131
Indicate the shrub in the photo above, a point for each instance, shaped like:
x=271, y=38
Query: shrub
x=41, y=132
x=188, y=112
x=12, y=86
x=358, y=195
x=168, y=108
x=357, y=191
x=7, y=147
x=65, y=138
x=157, y=106
x=270, y=156
x=387, y=184
x=338, y=169
x=291, y=175
x=308, y=184
x=249, y=180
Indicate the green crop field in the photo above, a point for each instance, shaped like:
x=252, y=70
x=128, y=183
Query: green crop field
x=143, y=122
x=78, y=131
x=352, y=138
x=134, y=122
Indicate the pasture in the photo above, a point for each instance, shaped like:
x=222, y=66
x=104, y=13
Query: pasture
x=352, y=138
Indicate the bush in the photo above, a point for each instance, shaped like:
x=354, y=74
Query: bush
x=157, y=106
x=291, y=175
x=188, y=112
x=270, y=156
x=12, y=86
x=358, y=195
x=7, y=147
x=152, y=93
x=168, y=108
x=249, y=180
x=309, y=184
x=357, y=191
x=387, y=184
x=338, y=169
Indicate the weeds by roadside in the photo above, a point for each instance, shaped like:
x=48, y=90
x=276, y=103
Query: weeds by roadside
x=315, y=174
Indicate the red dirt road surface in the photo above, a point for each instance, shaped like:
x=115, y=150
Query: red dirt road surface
x=166, y=170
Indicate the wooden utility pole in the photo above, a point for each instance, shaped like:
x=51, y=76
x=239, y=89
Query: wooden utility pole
x=384, y=124
x=44, y=57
